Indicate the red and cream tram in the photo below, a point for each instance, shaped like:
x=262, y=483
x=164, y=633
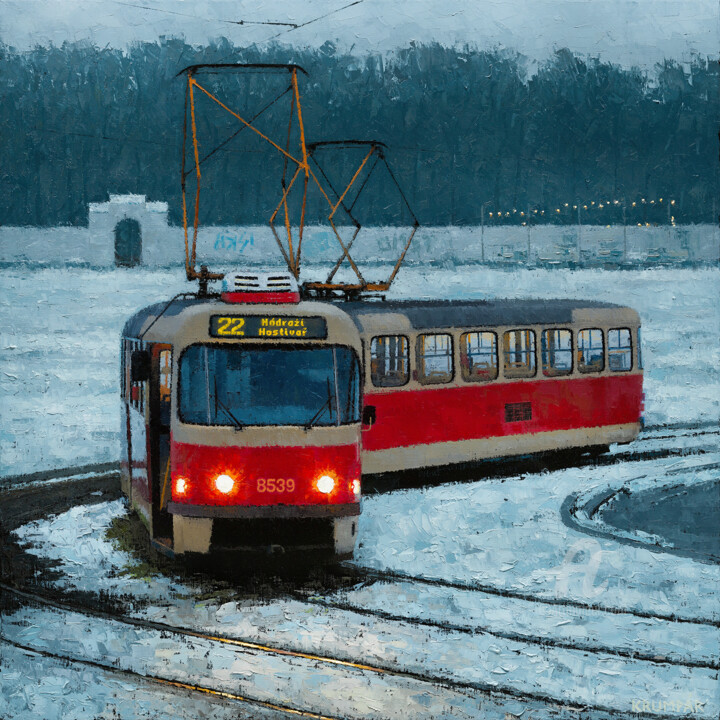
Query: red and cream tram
x=249, y=417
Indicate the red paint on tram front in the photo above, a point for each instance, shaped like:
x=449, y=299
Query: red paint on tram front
x=200, y=465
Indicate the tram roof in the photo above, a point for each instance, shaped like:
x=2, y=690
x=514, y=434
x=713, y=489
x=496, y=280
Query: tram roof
x=421, y=314
x=166, y=309
x=425, y=314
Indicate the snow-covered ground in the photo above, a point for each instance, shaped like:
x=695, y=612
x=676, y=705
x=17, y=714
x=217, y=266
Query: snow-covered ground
x=59, y=340
x=639, y=635
x=504, y=535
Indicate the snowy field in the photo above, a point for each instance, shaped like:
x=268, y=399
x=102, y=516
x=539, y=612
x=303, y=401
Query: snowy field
x=640, y=631
x=494, y=607
x=60, y=328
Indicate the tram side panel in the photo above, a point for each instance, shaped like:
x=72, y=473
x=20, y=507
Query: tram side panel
x=125, y=459
x=458, y=424
x=136, y=456
x=415, y=425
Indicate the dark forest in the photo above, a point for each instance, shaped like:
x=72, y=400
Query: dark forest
x=470, y=133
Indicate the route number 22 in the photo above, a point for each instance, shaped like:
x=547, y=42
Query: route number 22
x=230, y=326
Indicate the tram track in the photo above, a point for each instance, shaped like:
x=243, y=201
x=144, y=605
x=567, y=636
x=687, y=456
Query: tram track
x=507, y=635
x=58, y=602
x=494, y=691
x=201, y=689
x=643, y=448
x=13, y=483
x=364, y=574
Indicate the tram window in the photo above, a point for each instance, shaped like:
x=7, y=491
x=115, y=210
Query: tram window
x=519, y=351
x=434, y=359
x=389, y=360
x=127, y=350
x=590, y=350
x=478, y=356
x=639, y=350
x=557, y=352
x=348, y=384
x=137, y=391
x=165, y=385
x=619, y=350
x=240, y=385
x=134, y=390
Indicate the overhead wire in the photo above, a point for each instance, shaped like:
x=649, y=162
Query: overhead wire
x=300, y=25
x=320, y=17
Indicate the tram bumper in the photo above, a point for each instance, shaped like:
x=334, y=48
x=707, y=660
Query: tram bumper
x=276, y=528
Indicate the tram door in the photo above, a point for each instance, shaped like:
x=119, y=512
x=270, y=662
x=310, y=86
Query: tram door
x=159, y=439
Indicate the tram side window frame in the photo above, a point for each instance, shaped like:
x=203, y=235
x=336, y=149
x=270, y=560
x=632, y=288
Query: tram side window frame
x=582, y=366
x=376, y=377
x=550, y=369
x=127, y=349
x=615, y=351
x=529, y=351
x=165, y=384
x=123, y=366
x=139, y=403
x=467, y=362
x=421, y=352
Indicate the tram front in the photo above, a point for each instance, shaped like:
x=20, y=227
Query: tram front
x=265, y=422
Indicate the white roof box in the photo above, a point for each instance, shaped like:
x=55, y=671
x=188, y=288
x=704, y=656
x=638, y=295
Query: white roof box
x=278, y=287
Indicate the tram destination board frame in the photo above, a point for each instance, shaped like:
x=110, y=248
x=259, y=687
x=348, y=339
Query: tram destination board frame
x=275, y=327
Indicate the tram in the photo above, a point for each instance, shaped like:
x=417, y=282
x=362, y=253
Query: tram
x=251, y=416
x=461, y=381
x=242, y=420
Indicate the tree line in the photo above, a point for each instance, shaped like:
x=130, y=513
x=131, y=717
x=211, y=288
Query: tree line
x=472, y=136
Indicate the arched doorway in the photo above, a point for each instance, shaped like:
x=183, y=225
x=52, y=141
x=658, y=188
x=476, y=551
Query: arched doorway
x=128, y=243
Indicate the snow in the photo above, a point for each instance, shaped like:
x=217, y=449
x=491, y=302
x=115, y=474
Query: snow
x=509, y=534
x=60, y=329
x=32, y=687
x=58, y=407
x=342, y=691
x=505, y=533
x=76, y=541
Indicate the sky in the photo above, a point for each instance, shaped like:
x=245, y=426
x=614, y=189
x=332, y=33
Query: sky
x=626, y=32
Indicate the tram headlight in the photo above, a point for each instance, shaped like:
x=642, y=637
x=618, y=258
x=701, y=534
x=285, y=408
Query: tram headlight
x=224, y=483
x=325, y=484
x=181, y=485
x=356, y=487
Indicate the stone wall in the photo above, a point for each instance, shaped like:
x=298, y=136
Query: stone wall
x=163, y=244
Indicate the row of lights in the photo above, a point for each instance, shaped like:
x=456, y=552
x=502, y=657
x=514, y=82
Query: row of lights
x=593, y=205
x=225, y=484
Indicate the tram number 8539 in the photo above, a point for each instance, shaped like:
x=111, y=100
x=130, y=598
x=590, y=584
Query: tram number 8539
x=275, y=485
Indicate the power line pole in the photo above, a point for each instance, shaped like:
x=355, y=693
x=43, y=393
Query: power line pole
x=482, y=233
x=625, y=257
x=579, y=236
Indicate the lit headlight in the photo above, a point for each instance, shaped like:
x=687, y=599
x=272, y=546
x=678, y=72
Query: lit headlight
x=356, y=487
x=224, y=483
x=325, y=484
x=181, y=485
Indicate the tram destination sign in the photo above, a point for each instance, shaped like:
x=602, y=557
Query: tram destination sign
x=291, y=327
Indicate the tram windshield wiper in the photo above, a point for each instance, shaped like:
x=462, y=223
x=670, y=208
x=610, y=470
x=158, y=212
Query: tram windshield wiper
x=220, y=404
x=327, y=405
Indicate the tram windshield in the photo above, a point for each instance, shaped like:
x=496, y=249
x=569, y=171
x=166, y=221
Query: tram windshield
x=238, y=386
